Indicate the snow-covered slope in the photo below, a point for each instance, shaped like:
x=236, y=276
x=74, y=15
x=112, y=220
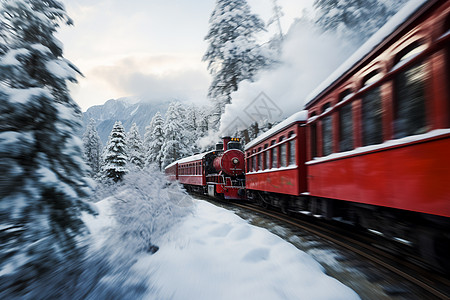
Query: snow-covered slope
x=214, y=254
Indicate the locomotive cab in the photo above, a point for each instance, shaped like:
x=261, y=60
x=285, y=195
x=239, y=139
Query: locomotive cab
x=234, y=145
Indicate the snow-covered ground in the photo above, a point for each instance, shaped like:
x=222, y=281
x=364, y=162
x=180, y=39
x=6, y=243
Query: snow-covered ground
x=214, y=254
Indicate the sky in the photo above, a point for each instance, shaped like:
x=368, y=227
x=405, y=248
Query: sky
x=149, y=49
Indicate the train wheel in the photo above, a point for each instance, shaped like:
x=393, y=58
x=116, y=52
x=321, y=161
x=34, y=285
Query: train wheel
x=260, y=201
x=434, y=248
x=283, y=207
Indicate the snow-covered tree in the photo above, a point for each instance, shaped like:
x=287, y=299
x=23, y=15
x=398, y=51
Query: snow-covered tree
x=355, y=19
x=175, y=143
x=44, y=181
x=203, y=121
x=135, y=147
x=233, y=54
x=92, y=148
x=115, y=155
x=277, y=40
x=154, y=140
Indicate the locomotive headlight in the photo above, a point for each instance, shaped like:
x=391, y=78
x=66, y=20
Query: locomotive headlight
x=235, y=160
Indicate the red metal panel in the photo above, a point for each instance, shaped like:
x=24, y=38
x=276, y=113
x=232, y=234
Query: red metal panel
x=231, y=162
x=282, y=181
x=191, y=179
x=414, y=177
x=171, y=172
x=232, y=193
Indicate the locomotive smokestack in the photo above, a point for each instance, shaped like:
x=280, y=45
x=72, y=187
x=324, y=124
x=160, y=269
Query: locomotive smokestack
x=225, y=139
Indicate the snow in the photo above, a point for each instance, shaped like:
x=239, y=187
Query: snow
x=41, y=48
x=297, y=117
x=10, y=58
x=388, y=144
x=395, y=22
x=188, y=159
x=23, y=96
x=290, y=167
x=214, y=254
x=60, y=69
x=135, y=110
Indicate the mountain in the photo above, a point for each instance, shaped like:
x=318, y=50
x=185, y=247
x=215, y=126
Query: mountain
x=126, y=110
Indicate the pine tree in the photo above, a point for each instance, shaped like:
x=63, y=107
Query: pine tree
x=355, y=19
x=44, y=182
x=175, y=145
x=154, y=140
x=276, y=41
x=92, y=148
x=115, y=155
x=135, y=147
x=233, y=54
x=203, y=121
x=192, y=122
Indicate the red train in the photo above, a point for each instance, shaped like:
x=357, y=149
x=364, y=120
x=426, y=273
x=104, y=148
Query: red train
x=372, y=147
x=217, y=173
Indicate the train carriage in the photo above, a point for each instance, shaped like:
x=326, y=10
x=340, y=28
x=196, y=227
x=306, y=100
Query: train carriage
x=379, y=133
x=275, y=163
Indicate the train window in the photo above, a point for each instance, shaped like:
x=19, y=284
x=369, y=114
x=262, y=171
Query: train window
x=291, y=150
x=254, y=163
x=283, y=155
x=372, y=128
x=234, y=145
x=266, y=157
x=274, y=158
x=248, y=161
x=409, y=106
x=259, y=162
x=447, y=28
x=408, y=53
x=282, y=152
x=346, y=128
x=313, y=137
x=371, y=78
x=327, y=138
x=345, y=94
x=313, y=140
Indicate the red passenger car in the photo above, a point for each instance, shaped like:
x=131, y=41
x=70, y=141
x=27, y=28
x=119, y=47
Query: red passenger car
x=275, y=163
x=379, y=132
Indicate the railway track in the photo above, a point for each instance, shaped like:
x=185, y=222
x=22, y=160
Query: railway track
x=428, y=284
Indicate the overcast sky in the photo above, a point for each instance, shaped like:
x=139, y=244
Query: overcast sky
x=146, y=48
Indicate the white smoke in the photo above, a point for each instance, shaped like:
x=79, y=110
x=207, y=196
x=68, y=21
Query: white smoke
x=308, y=57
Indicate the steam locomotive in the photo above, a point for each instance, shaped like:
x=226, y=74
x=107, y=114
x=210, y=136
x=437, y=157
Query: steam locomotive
x=218, y=173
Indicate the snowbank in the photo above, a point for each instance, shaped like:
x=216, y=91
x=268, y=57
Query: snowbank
x=159, y=243
x=214, y=254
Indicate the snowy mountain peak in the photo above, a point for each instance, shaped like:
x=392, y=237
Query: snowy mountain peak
x=128, y=110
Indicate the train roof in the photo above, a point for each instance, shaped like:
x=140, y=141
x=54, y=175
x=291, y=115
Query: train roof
x=377, y=40
x=189, y=159
x=300, y=116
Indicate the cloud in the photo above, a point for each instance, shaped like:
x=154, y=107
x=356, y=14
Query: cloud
x=156, y=78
